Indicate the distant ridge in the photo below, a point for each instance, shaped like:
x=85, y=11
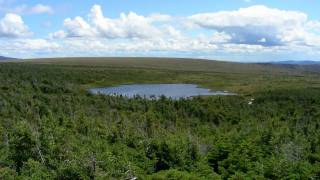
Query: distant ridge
x=2, y=58
x=290, y=62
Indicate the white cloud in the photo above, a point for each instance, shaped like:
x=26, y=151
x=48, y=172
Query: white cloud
x=220, y=37
x=35, y=44
x=12, y=25
x=58, y=34
x=137, y=45
x=251, y=25
x=129, y=25
x=78, y=27
x=28, y=47
x=159, y=18
x=262, y=40
x=242, y=48
x=171, y=31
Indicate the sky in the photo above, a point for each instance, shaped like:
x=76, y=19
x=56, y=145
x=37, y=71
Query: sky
x=231, y=30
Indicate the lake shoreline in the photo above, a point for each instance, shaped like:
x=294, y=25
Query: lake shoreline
x=155, y=91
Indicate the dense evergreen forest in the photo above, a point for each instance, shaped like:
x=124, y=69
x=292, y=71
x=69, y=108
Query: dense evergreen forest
x=52, y=128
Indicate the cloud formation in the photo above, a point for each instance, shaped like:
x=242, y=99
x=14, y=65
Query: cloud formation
x=252, y=30
x=12, y=26
x=127, y=26
x=29, y=45
x=247, y=30
x=257, y=25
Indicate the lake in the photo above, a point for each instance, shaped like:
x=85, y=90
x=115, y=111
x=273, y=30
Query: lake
x=173, y=91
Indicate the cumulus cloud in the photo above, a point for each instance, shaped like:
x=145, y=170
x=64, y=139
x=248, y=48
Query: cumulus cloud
x=258, y=25
x=129, y=25
x=12, y=25
x=78, y=27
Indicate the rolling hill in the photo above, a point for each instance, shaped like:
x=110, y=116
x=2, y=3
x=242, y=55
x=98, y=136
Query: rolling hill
x=180, y=64
x=3, y=58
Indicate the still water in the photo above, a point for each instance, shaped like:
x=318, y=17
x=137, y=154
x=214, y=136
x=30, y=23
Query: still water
x=173, y=91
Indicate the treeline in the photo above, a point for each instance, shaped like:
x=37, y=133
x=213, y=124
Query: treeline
x=52, y=128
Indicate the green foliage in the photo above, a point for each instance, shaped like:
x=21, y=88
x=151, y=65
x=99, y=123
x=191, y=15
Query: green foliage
x=52, y=128
x=176, y=175
x=35, y=170
x=21, y=145
x=7, y=173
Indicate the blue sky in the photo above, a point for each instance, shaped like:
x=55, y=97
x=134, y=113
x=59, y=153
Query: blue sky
x=235, y=30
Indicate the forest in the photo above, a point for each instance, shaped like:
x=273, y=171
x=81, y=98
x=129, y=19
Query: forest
x=51, y=127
